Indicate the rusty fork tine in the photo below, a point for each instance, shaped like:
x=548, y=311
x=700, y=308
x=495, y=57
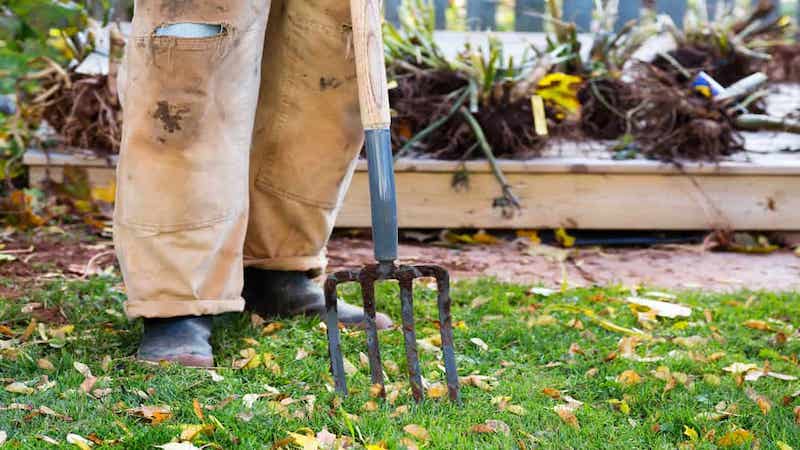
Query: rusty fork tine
x=407, y=305
x=334, y=345
x=373, y=350
x=445, y=327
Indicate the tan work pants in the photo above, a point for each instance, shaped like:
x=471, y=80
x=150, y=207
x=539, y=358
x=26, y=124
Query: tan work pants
x=228, y=158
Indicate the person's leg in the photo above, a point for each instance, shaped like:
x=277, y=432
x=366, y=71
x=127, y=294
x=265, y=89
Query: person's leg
x=308, y=134
x=188, y=88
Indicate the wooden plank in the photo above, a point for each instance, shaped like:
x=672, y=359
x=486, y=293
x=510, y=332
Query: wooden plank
x=481, y=14
x=524, y=21
x=587, y=201
x=580, y=12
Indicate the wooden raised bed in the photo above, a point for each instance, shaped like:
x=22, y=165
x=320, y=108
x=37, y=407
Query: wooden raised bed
x=575, y=186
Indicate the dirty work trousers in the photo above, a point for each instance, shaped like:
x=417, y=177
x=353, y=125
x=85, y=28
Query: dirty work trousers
x=237, y=147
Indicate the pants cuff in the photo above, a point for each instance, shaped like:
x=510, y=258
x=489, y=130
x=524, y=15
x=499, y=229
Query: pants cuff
x=295, y=263
x=173, y=308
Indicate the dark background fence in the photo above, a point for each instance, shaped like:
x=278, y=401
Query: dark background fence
x=482, y=14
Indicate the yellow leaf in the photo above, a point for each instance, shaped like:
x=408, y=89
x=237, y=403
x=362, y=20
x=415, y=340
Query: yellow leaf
x=516, y=409
x=783, y=445
x=552, y=393
x=304, y=441
x=378, y=446
x=79, y=441
x=562, y=90
x=370, y=406
x=272, y=328
x=758, y=325
x=629, y=378
x=191, y=431
x=437, y=390
x=417, y=431
x=735, y=438
x=564, y=238
x=104, y=193
x=691, y=433
x=531, y=235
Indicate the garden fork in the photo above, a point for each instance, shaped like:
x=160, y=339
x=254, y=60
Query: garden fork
x=375, y=116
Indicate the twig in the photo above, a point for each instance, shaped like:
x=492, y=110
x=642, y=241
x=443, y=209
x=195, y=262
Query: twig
x=756, y=122
x=432, y=127
x=508, y=196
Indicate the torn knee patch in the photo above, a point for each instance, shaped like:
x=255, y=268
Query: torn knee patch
x=190, y=30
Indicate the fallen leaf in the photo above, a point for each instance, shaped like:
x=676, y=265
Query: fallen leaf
x=621, y=406
x=349, y=368
x=272, y=328
x=737, y=368
x=178, y=446
x=479, y=301
x=564, y=238
x=735, y=438
x=629, y=378
x=691, y=433
x=155, y=414
x=79, y=441
x=20, y=388
x=3, y=437
x=517, y=409
x=215, y=377
x=691, y=341
x=301, y=354
x=480, y=344
x=567, y=414
x=797, y=415
x=45, y=364
x=198, y=411
x=492, y=426
x=482, y=382
x=780, y=444
x=408, y=444
x=370, y=406
x=757, y=325
x=552, y=393
x=306, y=442
x=662, y=309
x=437, y=390
x=417, y=431
x=191, y=432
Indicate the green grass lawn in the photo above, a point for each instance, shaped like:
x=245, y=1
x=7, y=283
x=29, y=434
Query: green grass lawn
x=543, y=351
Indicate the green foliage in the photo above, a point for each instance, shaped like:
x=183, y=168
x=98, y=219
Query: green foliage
x=32, y=32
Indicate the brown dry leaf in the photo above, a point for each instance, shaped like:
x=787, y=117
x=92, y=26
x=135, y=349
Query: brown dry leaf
x=370, y=406
x=198, y=410
x=399, y=411
x=272, y=328
x=45, y=364
x=735, y=438
x=19, y=388
x=417, y=431
x=567, y=415
x=591, y=372
x=482, y=382
x=797, y=415
x=408, y=443
x=155, y=414
x=763, y=402
x=391, y=367
x=757, y=325
x=492, y=426
x=437, y=390
x=349, y=368
x=552, y=393
x=501, y=402
x=479, y=301
x=376, y=390
x=575, y=349
x=629, y=378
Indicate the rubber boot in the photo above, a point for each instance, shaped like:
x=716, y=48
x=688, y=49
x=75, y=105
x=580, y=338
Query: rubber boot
x=183, y=340
x=275, y=293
